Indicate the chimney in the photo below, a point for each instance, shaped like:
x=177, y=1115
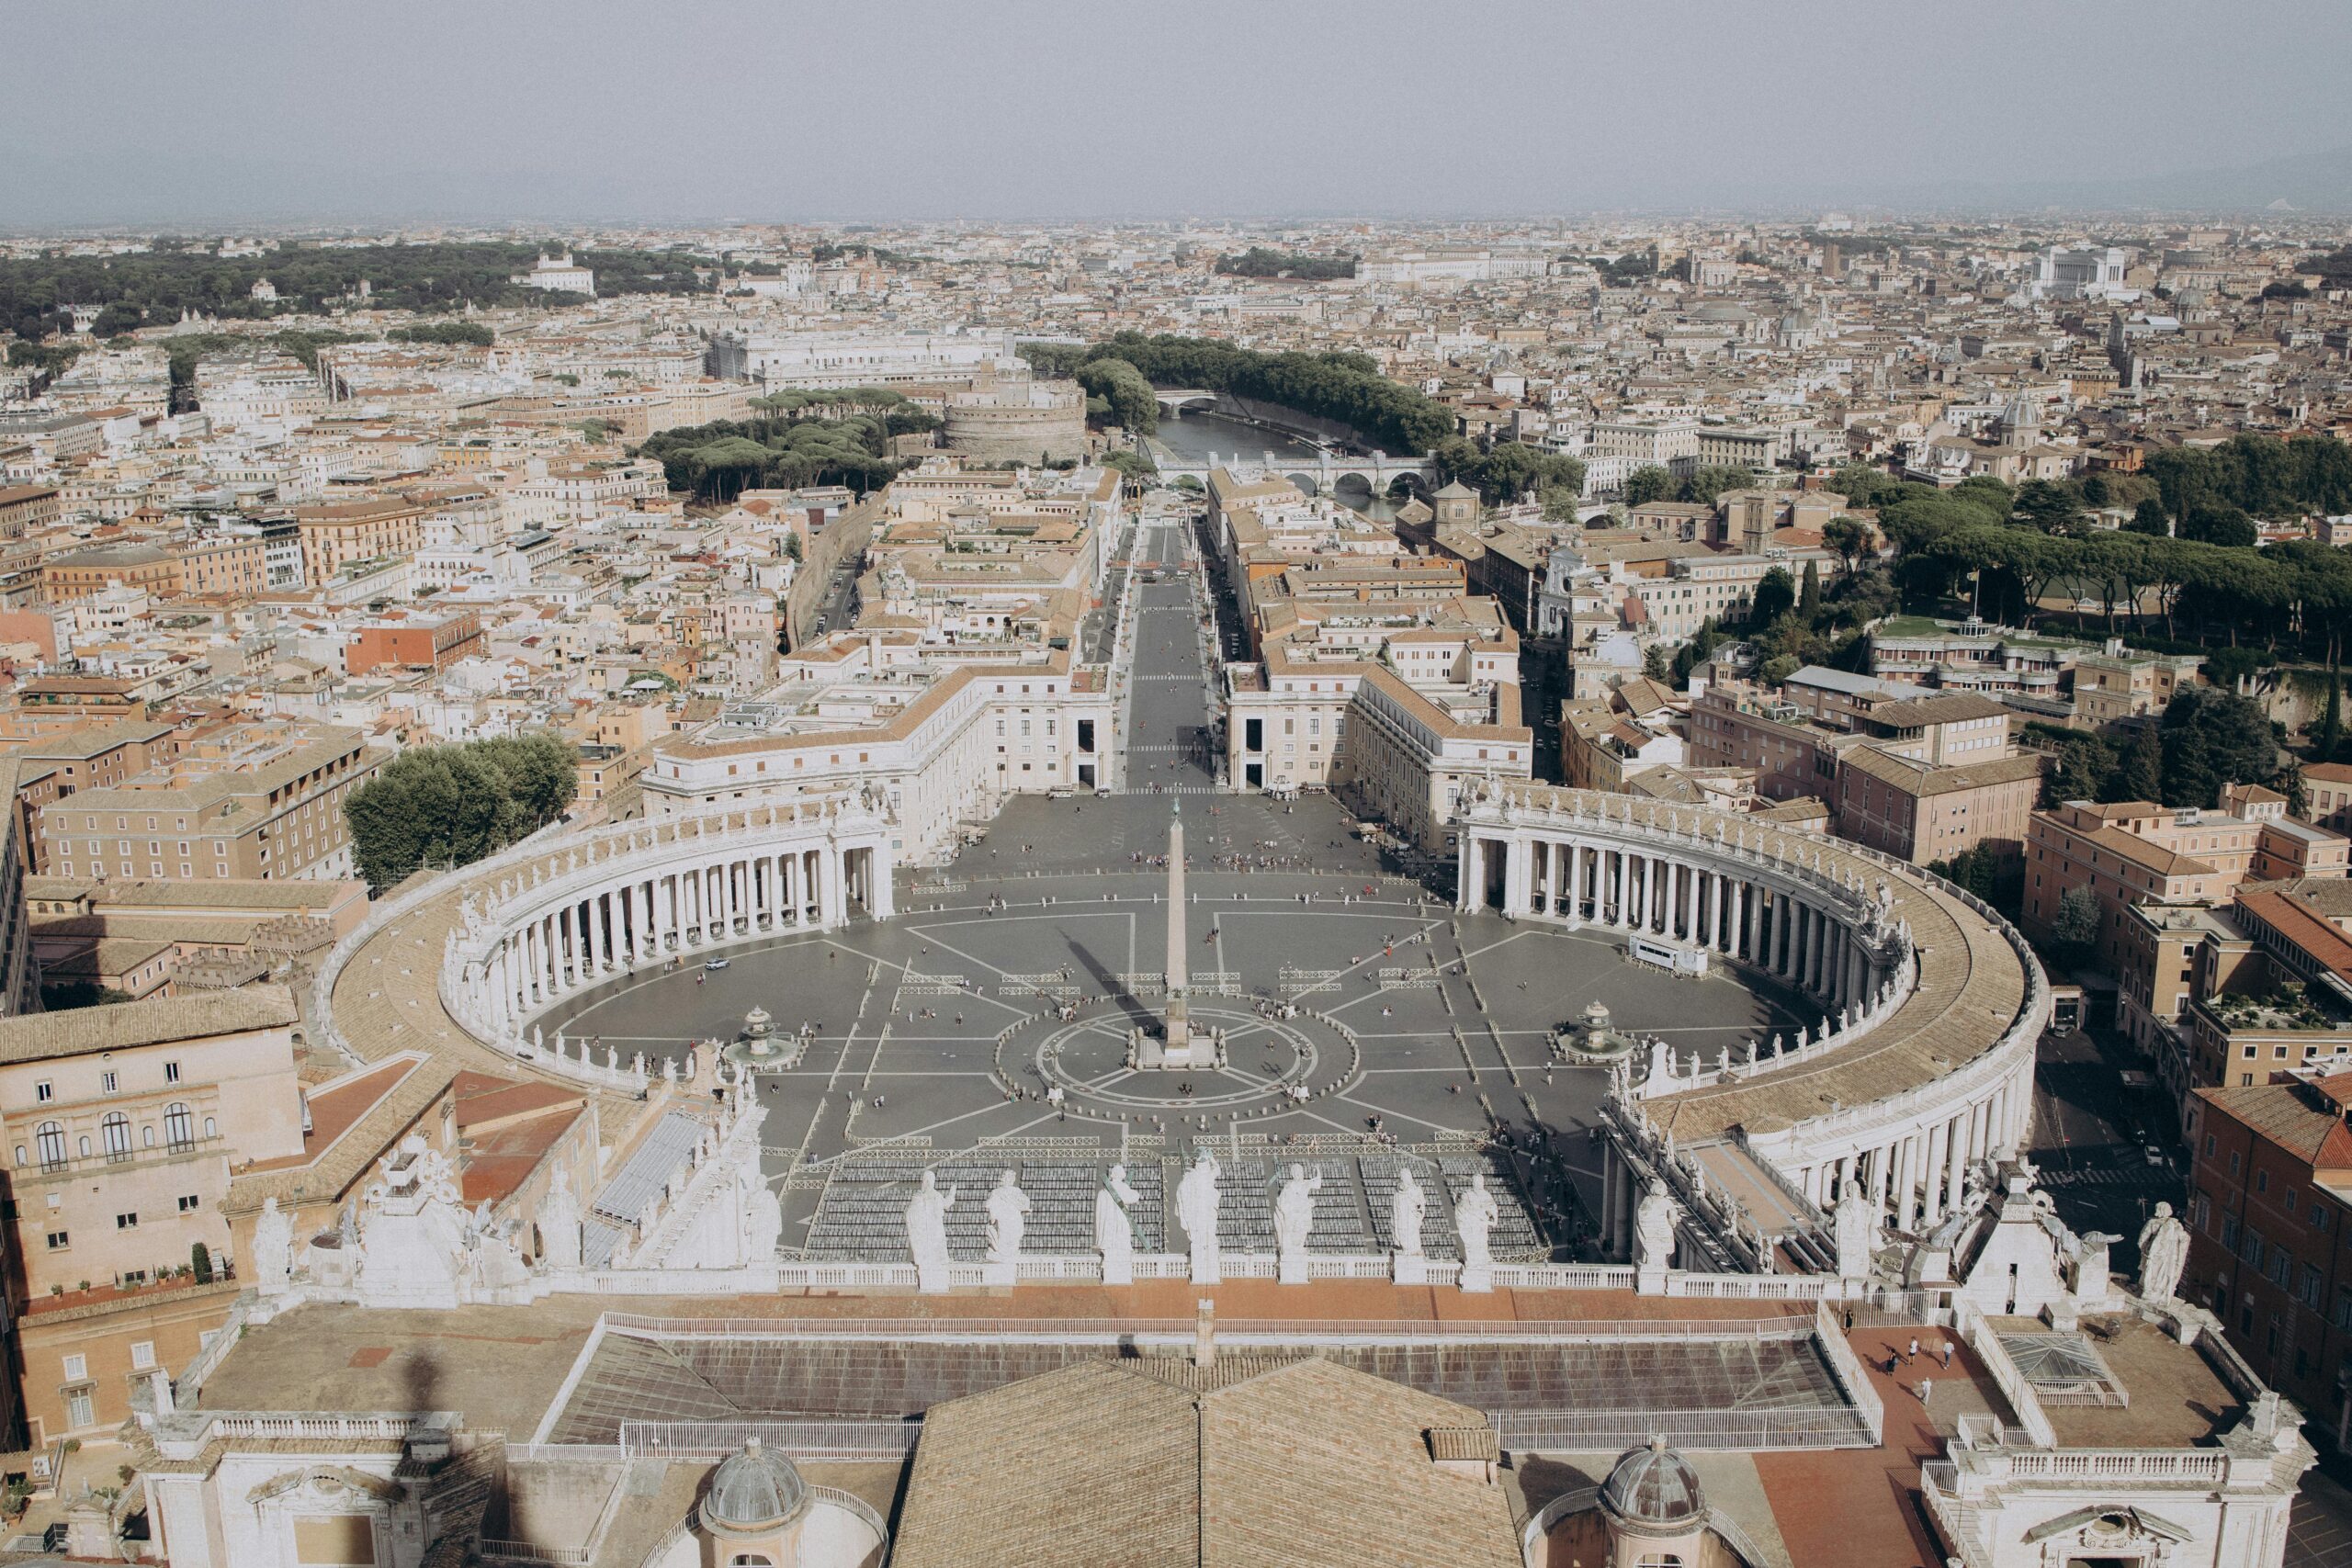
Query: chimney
x=1205, y=1335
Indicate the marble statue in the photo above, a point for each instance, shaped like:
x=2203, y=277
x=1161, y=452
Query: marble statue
x=1196, y=1211
x=1474, y=1220
x=1114, y=1236
x=763, y=1223
x=1855, y=1220
x=1008, y=1208
x=1293, y=1218
x=272, y=1247
x=559, y=1222
x=2164, y=1249
x=1653, y=1229
x=927, y=1233
x=1407, y=1210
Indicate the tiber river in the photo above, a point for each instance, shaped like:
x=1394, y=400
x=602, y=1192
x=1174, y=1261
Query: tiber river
x=1198, y=435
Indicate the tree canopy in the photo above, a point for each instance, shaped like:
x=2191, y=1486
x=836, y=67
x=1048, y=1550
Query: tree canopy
x=1339, y=387
x=720, y=460
x=1260, y=262
x=1509, y=470
x=434, y=806
x=1123, y=389
x=159, y=284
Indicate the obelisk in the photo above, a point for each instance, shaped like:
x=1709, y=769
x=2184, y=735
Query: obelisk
x=1177, y=1039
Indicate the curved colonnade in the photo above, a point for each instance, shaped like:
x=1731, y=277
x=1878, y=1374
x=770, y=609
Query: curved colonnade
x=518, y=932
x=1932, y=1006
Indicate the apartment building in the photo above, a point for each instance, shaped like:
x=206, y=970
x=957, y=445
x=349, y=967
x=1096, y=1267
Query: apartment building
x=2137, y=851
x=2327, y=795
x=1734, y=725
x=2270, y=1230
x=19, y=972
x=25, y=508
x=2163, y=950
x=2116, y=683
x=124, y=1126
x=249, y=802
x=413, y=642
x=1925, y=811
x=339, y=533
x=134, y=564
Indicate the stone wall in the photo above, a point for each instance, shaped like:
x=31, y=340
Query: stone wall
x=1019, y=425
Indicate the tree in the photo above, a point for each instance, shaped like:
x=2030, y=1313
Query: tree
x=2330, y=738
x=1657, y=663
x=200, y=1262
x=2051, y=508
x=2219, y=524
x=1866, y=486
x=1775, y=597
x=2225, y=667
x=62, y=996
x=2140, y=773
x=1809, y=595
x=1996, y=878
x=1132, y=405
x=1707, y=483
x=1341, y=387
x=453, y=805
x=1260, y=262
x=2150, y=517
x=1137, y=467
x=1560, y=503
x=1849, y=539
x=2080, y=762
x=2074, y=930
x=2289, y=783
x=2212, y=737
x=1646, y=484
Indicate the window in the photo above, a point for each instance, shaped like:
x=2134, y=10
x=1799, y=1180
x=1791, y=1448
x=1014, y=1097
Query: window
x=59, y=1240
x=115, y=1131
x=143, y=1354
x=128, y=1221
x=189, y=1203
x=170, y=1072
x=76, y=1367
x=106, y=1080
x=179, y=1127
x=78, y=1410
x=44, y=1092
x=50, y=1138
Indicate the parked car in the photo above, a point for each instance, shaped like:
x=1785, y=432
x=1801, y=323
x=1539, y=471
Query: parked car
x=715, y=963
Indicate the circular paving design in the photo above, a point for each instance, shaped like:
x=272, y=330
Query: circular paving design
x=1269, y=1061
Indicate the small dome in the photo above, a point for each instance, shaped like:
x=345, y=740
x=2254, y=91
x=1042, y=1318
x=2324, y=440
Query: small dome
x=1654, y=1486
x=757, y=1489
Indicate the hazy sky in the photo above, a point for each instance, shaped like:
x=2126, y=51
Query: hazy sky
x=189, y=110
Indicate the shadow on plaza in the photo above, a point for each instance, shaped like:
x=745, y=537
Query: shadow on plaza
x=1108, y=979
